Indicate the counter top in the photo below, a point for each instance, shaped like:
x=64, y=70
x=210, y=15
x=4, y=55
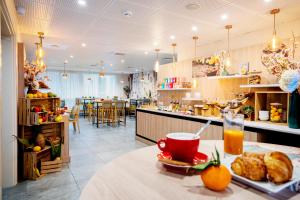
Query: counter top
x=252, y=124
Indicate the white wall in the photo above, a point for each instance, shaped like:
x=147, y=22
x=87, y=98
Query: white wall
x=9, y=114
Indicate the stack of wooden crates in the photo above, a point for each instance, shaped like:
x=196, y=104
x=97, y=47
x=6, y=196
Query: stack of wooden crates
x=28, y=129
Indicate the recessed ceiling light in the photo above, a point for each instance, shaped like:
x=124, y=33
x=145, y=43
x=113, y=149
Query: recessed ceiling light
x=122, y=61
x=66, y=61
x=155, y=43
x=224, y=17
x=111, y=64
x=192, y=6
x=83, y=44
x=81, y=2
x=71, y=56
x=267, y=1
x=194, y=28
x=127, y=13
x=146, y=52
x=172, y=37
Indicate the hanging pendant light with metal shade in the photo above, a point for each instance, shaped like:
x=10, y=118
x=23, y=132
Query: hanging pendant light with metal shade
x=65, y=75
x=275, y=43
x=156, y=66
x=173, y=58
x=228, y=56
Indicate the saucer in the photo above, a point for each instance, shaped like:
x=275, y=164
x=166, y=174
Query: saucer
x=166, y=159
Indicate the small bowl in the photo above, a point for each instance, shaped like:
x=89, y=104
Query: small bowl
x=263, y=115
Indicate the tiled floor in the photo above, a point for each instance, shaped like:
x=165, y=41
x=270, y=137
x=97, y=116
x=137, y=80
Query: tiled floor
x=89, y=151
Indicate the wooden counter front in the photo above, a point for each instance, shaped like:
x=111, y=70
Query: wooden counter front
x=153, y=125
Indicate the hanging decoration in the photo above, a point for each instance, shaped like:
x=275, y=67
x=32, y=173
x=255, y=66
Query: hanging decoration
x=156, y=66
x=101, y=73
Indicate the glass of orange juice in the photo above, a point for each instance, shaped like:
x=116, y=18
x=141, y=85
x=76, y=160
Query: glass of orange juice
x=233, y=133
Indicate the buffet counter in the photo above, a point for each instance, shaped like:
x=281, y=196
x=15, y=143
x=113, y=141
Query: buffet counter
x=151, y=125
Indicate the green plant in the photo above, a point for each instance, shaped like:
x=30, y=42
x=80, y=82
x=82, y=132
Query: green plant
x=127, y=90
x=248, y=110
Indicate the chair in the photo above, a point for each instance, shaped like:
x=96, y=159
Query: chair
x=90, y=111
x=119, y=112
x=132, y=107
x=74, y=117
x=106, y=111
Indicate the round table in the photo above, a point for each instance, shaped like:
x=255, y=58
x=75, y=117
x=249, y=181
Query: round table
x=139, y=176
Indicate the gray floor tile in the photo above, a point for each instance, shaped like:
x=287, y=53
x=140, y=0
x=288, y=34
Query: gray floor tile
x=90, y=150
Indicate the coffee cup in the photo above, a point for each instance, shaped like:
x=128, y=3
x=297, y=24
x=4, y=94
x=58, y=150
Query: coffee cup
x=181, y=146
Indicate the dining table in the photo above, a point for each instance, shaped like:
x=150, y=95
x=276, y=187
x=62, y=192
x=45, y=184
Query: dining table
x=98, y=106
x=138, y=175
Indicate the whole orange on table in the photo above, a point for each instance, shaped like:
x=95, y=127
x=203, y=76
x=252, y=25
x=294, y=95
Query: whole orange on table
x=214, y=175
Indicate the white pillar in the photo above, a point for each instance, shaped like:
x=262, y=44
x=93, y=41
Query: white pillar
x=9, y=112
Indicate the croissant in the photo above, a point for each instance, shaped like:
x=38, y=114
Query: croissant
x=251, y=166
x=279, y=167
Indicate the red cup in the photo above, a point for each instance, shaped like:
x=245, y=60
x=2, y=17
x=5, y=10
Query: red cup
x=182, y=146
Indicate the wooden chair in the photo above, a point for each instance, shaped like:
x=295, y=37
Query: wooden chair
x=119, y=112
x=90, y=111
x=106, y=112
x=74, y=117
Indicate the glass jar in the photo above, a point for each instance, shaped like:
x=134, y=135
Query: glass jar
x=276, y=112
x=233, y=127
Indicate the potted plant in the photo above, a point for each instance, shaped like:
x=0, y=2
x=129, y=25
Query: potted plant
x=127, y=91
x=248, y=111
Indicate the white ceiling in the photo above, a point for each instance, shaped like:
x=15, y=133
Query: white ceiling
x=101, y=25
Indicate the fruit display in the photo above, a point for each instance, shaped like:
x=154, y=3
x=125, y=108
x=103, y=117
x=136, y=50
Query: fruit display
x=276, y=112
x=214, y=175
x=39, y=94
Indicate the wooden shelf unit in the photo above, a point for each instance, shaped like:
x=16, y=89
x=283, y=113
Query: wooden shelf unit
x=264, y=98
x=275, y=85
x=29, y=160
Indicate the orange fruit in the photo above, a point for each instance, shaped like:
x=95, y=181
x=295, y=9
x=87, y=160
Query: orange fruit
x=45, y=95
x=216, y=177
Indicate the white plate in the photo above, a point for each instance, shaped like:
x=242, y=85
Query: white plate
x=261, y=185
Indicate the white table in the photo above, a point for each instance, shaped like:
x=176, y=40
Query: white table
x=138, y=176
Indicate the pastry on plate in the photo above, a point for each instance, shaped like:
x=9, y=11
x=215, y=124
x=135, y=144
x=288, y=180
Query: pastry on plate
x=279, y=167
x=251, y=166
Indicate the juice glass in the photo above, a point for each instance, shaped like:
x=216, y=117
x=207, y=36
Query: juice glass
x=233, y=126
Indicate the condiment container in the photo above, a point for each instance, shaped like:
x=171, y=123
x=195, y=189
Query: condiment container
x=198, y=109
x=275, y=112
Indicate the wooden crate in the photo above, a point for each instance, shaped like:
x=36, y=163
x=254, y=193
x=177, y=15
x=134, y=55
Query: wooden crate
x=25, y=105
x=34, y=117
x=264, y=98
x=51, y=166
x=33, y=160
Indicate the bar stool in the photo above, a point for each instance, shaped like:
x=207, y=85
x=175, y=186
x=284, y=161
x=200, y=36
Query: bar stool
x=119, y=112
x=106, y=112
x=90, y=111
